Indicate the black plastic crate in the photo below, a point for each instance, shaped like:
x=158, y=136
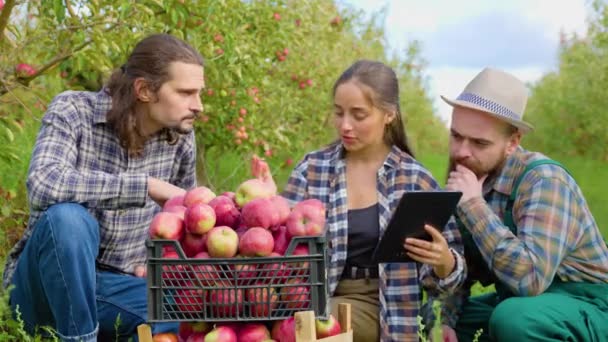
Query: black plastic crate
x=236, y=289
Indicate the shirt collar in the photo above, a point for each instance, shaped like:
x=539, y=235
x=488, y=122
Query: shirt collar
x=512, y=167
x=102, y=104
x=391, y=161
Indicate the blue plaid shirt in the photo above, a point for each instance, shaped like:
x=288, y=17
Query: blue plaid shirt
x=322, y=175
x=77, y=158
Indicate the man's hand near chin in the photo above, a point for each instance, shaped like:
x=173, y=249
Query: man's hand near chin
x=465, y=181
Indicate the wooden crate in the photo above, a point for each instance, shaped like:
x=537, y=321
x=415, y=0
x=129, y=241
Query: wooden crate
x=306, y=332
x=305, y=327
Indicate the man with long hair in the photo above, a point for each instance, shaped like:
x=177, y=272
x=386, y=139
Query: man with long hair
x=103, y=164
x=525, y=224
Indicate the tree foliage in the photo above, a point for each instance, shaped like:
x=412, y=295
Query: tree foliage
x=568, y=107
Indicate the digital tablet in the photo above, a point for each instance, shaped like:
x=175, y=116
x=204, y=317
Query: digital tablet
x=415, y=209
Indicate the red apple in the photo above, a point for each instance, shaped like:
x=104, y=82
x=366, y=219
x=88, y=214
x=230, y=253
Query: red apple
x=188, y=328
x=273, y=273
x=222, y=242
x=196, y=337
x=245, y=273
x=327, y=328
x=189, y=299
x=295, y=295
x=251, y=189
x=307, y=218
x=285, y=330
x=175, y=200
x=173, y=275
x=262, y=300
x=259, y=212
x=253, y=332
x=281, y=239
x=200, y=218
x=208, y=274
x=221, y=334
x=298, y=270
x=24, y=69
x=226, y=302
x=229, y=194
x=164, y=337
x=256, y=241
x=178, y=210
x=226, y=212
x=166, y=226
x=193, y=243
x=241, y=230
x=281, y=205
x=199, y=194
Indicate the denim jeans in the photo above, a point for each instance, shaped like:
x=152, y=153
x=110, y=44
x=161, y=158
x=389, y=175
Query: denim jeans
x=57, y=283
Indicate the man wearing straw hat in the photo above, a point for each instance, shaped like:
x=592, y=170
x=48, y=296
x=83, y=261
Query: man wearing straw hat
x=526, y=226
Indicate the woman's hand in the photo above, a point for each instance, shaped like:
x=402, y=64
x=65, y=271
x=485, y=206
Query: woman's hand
x=261, y=171
x=435, y=253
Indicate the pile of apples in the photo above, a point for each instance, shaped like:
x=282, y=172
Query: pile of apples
x=246, y=227
x=280, y=331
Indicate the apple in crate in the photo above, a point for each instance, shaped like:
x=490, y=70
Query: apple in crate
x=226, y=212
x=222, y=242
x=174, y=201
x=221, y=334
x=273, y=272
x=307, y=218
x=281, y=239
x=281, y=205
x=259, y=212
x=256, y=242
x=327, y=328
x=252, y=189
x=226, y=301
x=262, y=300
x=245, y=273
x=253, y=332
x=173, y=275
x=199, y=194
x=193, y=243
x=178, y=210
x=295, y=295
x=166, y=226
x=200, y=218
x=189, y=299
x=208, y=274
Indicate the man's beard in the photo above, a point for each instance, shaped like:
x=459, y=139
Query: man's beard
x=181, y=130
x=477, y=170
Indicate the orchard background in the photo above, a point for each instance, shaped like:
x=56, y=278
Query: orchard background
x=269, y=68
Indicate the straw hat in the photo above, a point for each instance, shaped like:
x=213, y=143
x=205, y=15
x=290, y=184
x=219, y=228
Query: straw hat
x=497, y=93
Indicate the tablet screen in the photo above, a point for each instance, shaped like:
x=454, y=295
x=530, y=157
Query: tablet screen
x=415, y=209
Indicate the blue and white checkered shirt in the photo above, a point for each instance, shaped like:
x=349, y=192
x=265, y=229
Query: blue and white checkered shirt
x=78, y=158
x=322, y=175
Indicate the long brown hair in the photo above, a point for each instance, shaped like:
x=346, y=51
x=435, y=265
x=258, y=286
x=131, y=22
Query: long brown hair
x=382, y=88
x=149, y=60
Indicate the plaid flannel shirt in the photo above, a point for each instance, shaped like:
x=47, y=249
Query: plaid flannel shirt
x=556, y=233
x=322, y=175
x=77, y=158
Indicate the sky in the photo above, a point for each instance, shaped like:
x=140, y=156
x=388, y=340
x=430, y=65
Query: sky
x=460, y=38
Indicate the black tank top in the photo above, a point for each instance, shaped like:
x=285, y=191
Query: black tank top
x=363, y=234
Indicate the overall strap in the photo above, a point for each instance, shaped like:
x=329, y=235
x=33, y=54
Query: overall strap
x=508, y=218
